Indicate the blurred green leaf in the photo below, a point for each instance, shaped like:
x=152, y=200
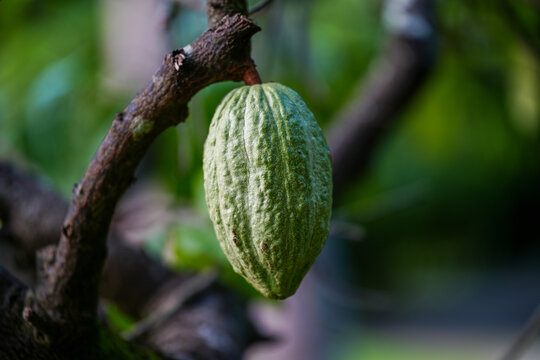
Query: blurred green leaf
x=117, y=319
x=197, y=248
x=194, y=247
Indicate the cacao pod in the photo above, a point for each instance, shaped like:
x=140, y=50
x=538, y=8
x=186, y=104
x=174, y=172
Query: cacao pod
x=268, y=184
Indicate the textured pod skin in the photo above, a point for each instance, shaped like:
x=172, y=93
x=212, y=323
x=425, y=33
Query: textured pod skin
x=268, y=183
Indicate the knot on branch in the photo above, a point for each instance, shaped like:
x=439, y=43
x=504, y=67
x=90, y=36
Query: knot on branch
x=225, y=46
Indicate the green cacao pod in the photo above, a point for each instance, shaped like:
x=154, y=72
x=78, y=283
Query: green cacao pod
x=268, y=184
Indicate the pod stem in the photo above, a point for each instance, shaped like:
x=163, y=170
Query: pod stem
x=251, y=76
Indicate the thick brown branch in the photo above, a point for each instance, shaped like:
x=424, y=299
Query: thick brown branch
x=68, y=289
x=402, y=69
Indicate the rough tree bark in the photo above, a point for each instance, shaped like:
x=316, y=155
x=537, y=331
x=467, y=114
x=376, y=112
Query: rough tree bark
x=60, y=320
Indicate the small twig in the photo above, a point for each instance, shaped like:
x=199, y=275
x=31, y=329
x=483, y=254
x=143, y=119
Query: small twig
x=260, y=6
x=525, y=338
x=176, y=301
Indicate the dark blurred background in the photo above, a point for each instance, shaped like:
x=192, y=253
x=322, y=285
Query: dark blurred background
x=435, y=250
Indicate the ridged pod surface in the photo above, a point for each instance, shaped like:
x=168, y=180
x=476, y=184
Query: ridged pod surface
x=268, y=184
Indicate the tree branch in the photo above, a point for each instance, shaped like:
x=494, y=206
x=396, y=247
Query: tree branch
x=399, y=74
x=218, y=9
x=68, y=288
x=62, y=316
